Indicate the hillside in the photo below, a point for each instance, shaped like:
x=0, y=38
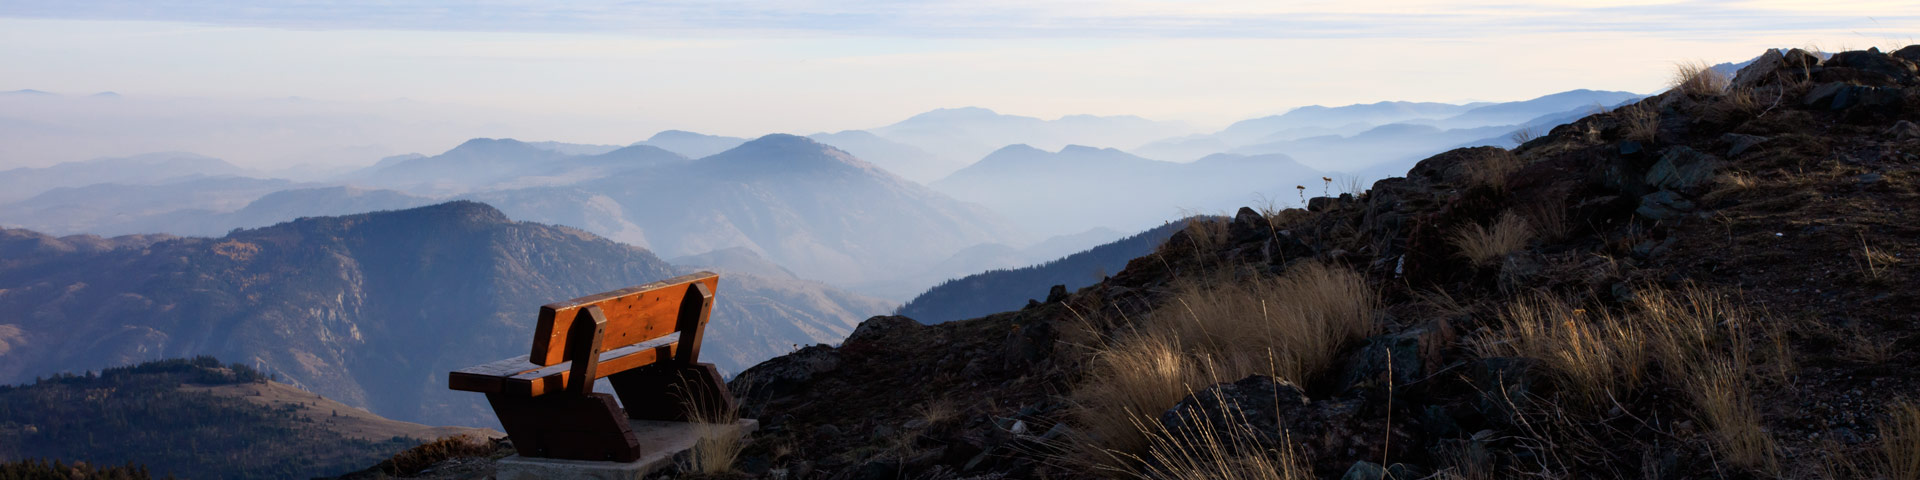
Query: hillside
x=366, y=309
x=993, y=291
x=1710, y=283
x=197, y=419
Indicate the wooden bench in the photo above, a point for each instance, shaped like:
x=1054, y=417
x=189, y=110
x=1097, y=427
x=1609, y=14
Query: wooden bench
x=644, y=340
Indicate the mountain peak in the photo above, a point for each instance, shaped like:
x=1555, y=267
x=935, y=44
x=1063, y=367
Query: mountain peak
x=489, y=144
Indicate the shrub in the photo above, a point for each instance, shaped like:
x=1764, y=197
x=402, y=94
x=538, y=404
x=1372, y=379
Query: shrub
x=1483, y=244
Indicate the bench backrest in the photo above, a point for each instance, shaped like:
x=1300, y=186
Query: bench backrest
x=633, y=315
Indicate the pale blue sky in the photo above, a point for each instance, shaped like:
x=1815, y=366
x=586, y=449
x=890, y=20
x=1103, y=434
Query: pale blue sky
x=613, y=71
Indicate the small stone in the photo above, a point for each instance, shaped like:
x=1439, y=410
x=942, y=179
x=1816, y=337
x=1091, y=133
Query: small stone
x=1823, y=94
x=1663, y=205
x=1739, y=143
x=1682, y=168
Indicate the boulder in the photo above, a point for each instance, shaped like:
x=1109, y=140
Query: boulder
x=1258, y=410
x=1873, y=61
x=1911, y=54
x=1823, y=94
x=1032, y=343
x=1056, y=294
x=1321, y=204
x=1663, y=205
x=1682, y=168
x=1797, y=58
x=879, y=326
x=1761, y=71
x=1369, y=367
x=785, y=374
x=1248, y=226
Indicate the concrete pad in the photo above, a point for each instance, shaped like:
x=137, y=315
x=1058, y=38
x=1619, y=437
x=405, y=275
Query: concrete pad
x=659, y=442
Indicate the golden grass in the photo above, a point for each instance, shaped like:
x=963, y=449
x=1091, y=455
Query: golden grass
x=1592, y=354
x=1207, y=453
x=720, y=442
x=1697, y=78
x=1132, y=382
x=1482, y=245
x=1639, y=122
x=1217, y=330
x=1492, y=169
x=424, y=455
x=1701, y=341
x=1900, y=442
x=1548, y=217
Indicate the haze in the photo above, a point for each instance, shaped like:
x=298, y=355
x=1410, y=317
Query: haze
x=270, y=86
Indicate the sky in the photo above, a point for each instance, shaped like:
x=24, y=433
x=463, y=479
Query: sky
x=370, y=77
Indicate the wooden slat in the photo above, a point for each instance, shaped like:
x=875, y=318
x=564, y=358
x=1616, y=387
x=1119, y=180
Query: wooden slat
x=634, y=315
x=518, y=377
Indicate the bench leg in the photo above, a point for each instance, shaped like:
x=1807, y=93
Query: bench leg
x=672, y=392
x=568, y=426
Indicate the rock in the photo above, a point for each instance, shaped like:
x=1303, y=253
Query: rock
x=1255, y=406
x=1903, y=130
x=1797, y=58
x=1760, y=71
x=1505, y=385
x=1033, y=343
x=1739, y=143
x=1911, y=54
x=879, y=326
x=1321, y=204
x=1369, y=366
x=1057, y=294
x=1365, y=470
x=1899, y=70
x=1682, y=168
x=1663, y=205
x=1822, y=94
x=1248, y=226
x=788, y=373
x=1630, y=148
x=1518, y=270
x=1868, y=178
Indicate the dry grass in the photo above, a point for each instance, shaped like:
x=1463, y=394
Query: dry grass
x=1492, y=169
x=1132, y=382
x=1701, y=341
x=1207, y=453
x=937, y=411
x=424, y=455
x=1482, y=245
x=720, y=441
x=1216, y=330
x=1697, y=78
x=1592, y=354
x=1289, y=326
x=1730, y=183
x=1876, y=264
x=1523, y=135
x=1547, y=217
x=1639, y=122
x=1900, y=442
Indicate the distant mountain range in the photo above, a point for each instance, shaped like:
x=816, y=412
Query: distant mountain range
x=1355, y=137
x=1079, y=188
x=971, y=132
x=146, y=169
x=367, y=309
x=1001, y=290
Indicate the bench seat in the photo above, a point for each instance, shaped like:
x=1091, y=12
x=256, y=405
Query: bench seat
x=520, y=377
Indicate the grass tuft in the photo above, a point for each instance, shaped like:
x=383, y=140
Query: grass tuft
x=1900, y=442
x=1593, y=354
x=1483, y=245
x=1697, y=78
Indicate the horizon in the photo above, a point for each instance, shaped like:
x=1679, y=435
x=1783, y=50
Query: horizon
x=616, y=73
